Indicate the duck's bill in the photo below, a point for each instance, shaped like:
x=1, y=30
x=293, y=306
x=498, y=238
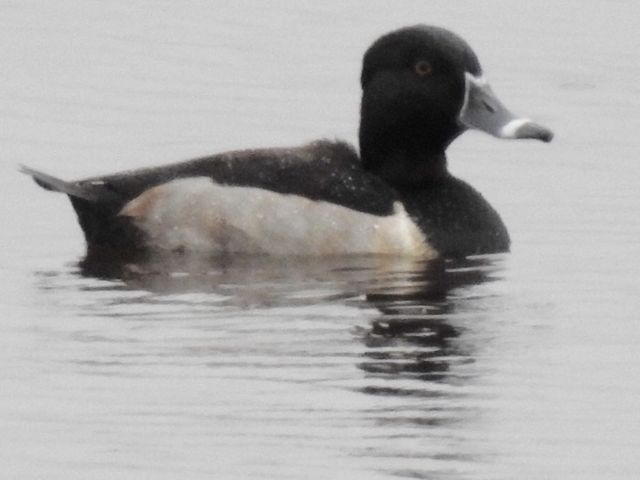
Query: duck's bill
x=482, y=110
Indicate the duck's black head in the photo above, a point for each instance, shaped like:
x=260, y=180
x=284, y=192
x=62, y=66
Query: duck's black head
x=422, y=87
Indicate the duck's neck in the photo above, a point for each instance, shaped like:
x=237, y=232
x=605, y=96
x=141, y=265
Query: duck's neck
x=404, y=167
x=406, y=150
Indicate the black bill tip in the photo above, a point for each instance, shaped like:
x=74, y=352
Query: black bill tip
x=535, y=131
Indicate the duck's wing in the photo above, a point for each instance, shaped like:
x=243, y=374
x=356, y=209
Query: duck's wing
x=321, y=171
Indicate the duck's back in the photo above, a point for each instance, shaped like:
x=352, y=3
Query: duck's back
x=321, y=171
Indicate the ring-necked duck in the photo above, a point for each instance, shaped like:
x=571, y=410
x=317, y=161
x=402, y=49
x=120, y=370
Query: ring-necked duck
x=422, y=87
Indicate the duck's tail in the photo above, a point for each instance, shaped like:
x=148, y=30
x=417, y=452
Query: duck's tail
x=97, y=207
x=73, y=189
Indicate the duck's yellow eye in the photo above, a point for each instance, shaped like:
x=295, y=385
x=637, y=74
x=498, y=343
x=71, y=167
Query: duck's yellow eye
x=423, y=68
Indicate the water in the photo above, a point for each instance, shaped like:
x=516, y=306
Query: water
x=522, y=365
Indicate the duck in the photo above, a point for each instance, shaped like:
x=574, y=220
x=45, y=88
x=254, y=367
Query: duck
x=422, y=87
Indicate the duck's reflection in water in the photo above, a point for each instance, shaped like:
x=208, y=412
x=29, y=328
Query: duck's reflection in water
x=412, y=337
x=393, y=330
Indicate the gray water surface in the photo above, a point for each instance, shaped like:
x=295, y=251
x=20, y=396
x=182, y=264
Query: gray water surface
x=521, y=365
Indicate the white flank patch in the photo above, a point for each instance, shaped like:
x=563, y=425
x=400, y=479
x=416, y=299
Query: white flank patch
x=199, y=215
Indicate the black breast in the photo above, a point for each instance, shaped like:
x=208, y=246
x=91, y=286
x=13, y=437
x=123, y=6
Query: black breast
x=457, y=220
